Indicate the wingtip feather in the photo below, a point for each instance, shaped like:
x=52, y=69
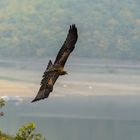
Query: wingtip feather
x=42, y=94
x=34, y=100
x=73, y=26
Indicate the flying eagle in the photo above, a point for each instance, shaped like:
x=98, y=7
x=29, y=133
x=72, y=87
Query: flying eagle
x=54, y=70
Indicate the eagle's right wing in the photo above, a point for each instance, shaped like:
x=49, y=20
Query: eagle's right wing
x=67, y=47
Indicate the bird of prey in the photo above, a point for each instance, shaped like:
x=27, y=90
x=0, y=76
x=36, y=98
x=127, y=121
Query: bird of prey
x=54, y=70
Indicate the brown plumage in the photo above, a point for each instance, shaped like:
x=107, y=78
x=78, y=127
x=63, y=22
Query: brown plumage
x=53, y=71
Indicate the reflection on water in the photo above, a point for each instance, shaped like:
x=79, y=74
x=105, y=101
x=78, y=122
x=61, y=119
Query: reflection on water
x=78, y=118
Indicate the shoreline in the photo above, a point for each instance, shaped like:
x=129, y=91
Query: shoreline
x=94, y=80
x=67, y=88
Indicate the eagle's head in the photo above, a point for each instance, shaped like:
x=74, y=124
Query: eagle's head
x=63, y=72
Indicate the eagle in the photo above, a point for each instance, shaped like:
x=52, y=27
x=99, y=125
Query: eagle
x=56, y=69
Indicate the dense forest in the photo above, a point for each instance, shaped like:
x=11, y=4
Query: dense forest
x=36, y=29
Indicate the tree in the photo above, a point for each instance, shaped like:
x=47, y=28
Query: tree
x=4, y=136
x=27, y=132
x=2, y=103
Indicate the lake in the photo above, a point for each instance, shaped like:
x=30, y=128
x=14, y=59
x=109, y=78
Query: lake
x=78, y=118
x=96, y=101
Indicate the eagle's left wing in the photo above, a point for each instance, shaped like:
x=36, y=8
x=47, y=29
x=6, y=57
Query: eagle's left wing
x=67, y=47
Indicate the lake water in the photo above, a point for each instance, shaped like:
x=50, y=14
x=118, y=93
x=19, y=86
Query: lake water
x=78, y=117
x=96, y=101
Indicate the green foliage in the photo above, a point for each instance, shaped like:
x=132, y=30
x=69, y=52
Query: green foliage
x=27, y=132
x=2, y=103
x=4, y=136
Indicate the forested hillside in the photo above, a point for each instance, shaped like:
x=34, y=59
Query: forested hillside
x=36, y=29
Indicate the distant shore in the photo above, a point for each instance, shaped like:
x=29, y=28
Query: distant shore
x=85, y=79
x=64, y=88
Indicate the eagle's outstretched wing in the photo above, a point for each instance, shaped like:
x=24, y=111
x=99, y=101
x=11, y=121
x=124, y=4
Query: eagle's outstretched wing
x=67, y=47
x=50, y=77
x=47, y=82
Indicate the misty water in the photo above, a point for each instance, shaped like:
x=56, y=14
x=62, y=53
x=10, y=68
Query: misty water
x=78, y=118
x=96, y=101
